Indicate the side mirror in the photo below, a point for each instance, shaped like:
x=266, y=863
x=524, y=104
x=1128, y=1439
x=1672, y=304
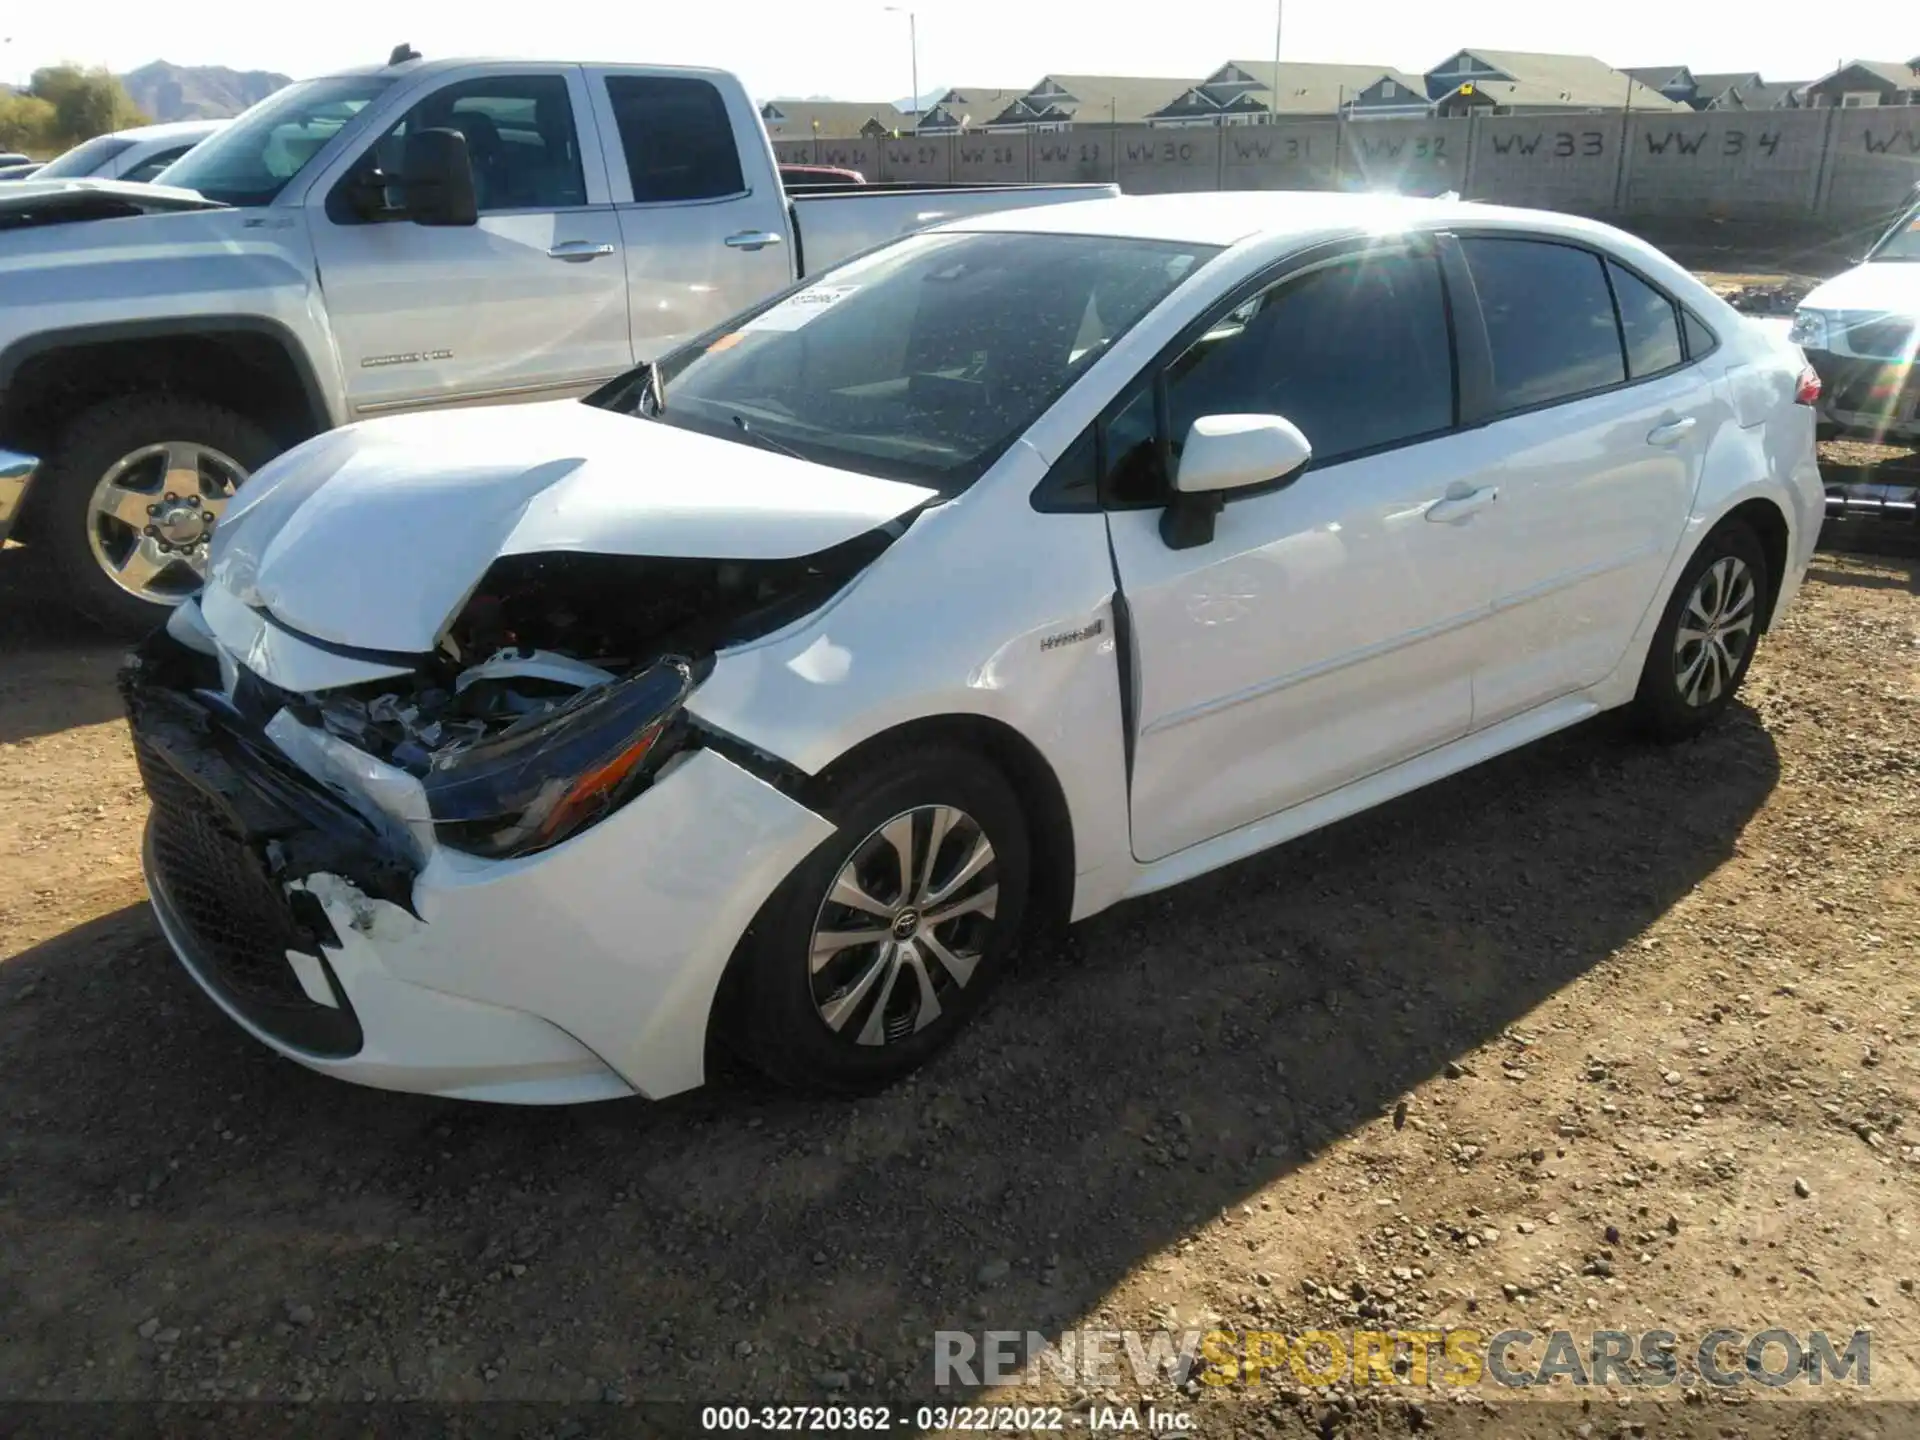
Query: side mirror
x=436, y=179
x=1225, y=454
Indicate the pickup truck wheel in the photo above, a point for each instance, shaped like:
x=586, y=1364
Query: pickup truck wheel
x=886, y=939
x=136, y=486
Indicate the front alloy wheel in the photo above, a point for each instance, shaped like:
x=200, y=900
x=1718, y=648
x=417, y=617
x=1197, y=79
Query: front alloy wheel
x=883, y=942
x=904, y=925
x=152, y=514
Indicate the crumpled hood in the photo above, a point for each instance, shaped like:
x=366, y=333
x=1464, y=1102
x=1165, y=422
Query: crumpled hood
x=1884, y=286
x=374, y=536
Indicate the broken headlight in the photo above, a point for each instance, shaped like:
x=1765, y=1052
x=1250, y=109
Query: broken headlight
x=555, y=773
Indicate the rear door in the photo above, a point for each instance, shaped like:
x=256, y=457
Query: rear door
x=1597, y=425
x=1329, y=629
x=528, y=304
x=701, y=213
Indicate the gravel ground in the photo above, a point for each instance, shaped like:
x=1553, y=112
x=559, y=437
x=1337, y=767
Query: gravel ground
x=1596, y=1035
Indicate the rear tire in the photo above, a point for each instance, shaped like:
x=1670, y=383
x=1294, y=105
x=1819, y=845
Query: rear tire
x=127, y=440
x=814, y=1009
x=1705, y=641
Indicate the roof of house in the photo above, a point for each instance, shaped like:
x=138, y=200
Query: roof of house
x=1123, y=99
x=1317, y=89
x=1759, y=96
x=1718, y=84
x=1657, y=76
x=830, y=119
x=1900, y=74
x=1579, y=82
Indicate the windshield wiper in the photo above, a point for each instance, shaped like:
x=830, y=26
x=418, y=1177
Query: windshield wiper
x=764, y=440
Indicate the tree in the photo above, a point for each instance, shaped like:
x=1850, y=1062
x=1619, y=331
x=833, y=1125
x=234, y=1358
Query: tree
x=85, y=103
x=26, y=123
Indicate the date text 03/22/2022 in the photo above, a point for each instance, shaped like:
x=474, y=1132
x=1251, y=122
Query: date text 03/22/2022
x=800, y=1419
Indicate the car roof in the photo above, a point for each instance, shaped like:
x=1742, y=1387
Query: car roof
x=1229, y=217
x=171, y=130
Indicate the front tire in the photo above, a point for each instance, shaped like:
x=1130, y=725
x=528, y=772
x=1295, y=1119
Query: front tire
x=884, y=941
x=1705, y=642
x=136, y=485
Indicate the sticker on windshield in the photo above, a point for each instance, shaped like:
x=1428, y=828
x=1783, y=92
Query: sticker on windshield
x=801, y=309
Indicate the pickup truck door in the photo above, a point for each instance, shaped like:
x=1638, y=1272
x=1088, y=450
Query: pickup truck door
x=702, y=217
x=529, y=304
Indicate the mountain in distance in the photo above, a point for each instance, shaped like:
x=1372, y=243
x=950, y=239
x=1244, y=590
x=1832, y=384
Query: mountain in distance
x=198, y=92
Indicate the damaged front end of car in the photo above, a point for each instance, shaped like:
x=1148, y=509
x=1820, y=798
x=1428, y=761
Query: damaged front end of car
x=555, y=696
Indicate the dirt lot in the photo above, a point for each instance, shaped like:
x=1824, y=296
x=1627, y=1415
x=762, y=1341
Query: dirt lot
x=1650, y=1013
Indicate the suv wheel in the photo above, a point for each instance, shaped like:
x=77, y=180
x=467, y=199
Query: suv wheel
x=136, y=487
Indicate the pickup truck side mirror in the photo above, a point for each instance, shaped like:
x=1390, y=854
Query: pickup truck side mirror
x=1225, y=456
x=436, y=179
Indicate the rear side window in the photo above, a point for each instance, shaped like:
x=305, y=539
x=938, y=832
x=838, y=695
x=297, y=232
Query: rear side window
x=1550, y=321
x=155, y=163
x=1648, y=322
x=677, y=138
x=1357, y=354
x=1700, y=340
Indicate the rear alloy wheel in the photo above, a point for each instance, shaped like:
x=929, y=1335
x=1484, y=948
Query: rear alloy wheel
x=885, y=940
x=134, y=488
x=1706, y=639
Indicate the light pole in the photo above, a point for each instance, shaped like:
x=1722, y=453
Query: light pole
x=913, y=48
x=1279, y=12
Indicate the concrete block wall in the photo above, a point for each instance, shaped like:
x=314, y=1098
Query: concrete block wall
x=1799, y=163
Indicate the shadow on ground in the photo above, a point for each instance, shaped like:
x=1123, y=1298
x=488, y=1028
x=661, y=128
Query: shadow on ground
x=1169, y=1060
x=56, y=670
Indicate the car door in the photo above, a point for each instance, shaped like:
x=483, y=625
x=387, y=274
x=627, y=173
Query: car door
x=530, y=303
x=1330, y=628
x=1596, y=426
x=701, y=212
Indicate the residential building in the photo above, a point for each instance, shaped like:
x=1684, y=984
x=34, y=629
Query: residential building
x=1243, y=92
x=1763, y=95
x=1867, y=82
x=1061, y=101
x=966, y=107
x=1512, y=82
x=833, y=119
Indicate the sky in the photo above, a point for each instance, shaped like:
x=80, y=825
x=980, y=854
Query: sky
x=854, y=50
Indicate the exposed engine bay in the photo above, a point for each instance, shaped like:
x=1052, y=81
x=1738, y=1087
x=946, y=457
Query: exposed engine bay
x=541, y=631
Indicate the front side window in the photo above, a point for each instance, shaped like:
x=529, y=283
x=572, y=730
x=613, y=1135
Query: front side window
x=1358, y=354
x=1648, y=323
x=1549, y=318
x=520, y=136
x=84, y=159
x=676, y=136
x=252, y=160
x=921, y=361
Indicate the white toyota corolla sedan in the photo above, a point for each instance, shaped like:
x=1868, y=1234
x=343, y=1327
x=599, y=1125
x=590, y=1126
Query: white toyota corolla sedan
x=1008, y=571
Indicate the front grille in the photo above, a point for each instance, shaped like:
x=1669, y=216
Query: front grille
x=1882, y=339
x=239, y=921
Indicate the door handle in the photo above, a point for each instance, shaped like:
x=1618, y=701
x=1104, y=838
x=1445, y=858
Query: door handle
x=753, y=239
x=578, y=250
x=1670, y=432
x=1460, y=503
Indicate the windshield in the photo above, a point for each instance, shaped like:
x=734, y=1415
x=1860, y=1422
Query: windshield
x=1902, y=242
x=251, y=161
x=921, y=361
x=84, y=158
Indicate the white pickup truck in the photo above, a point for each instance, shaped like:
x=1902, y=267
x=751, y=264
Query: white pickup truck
x=416, y=234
